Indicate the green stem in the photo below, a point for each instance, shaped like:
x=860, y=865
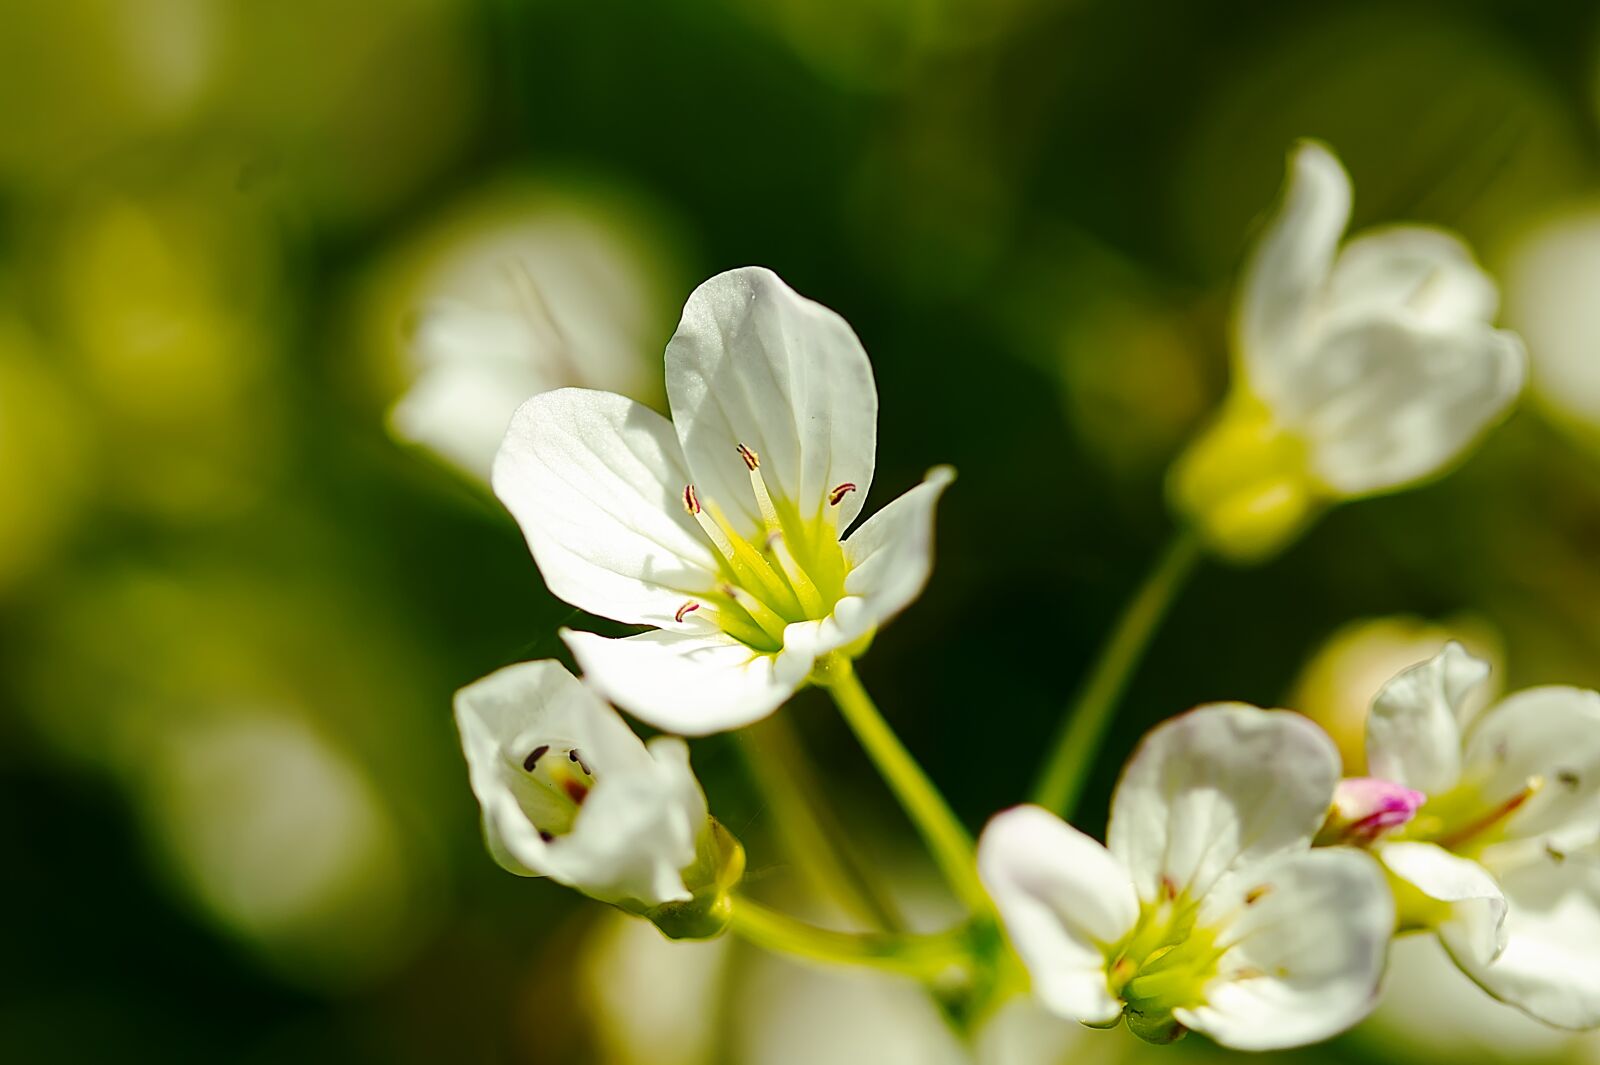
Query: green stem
x=947, y=839
x=806, y=826
x=1084, y=726
x=922, y=956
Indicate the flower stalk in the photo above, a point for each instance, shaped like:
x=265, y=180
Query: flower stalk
x=925, y=957
x=1084, y=724
x=947, y=839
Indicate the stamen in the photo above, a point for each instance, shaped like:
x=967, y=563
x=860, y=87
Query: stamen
x=548, y=837
x=1568, y=779
x=840, y=492
x=1255, y=894
x=1494, y=817
x=804, y=587
x=759, y=612
x=576, y=789
x=534, y=755
x=578, y=758
x=746, y=565
x=686, y=609
x=758, y=487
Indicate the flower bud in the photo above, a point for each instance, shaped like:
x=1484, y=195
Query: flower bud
x=1364, y=808
x=718, y=868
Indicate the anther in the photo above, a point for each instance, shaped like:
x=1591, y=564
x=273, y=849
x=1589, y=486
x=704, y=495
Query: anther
x=751, y=460
x=840, y=492
x=1169, y=886
x=685, y=609
x=548, y=837
x=578, y=759
x=534, y=755
x=1255, y=894
x=1567, y=779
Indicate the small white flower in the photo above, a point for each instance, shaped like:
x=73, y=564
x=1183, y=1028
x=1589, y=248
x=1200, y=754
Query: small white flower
x=1208, y=909
x=569, y=792
x=1503, y=859
x=532, y=291
x=1358, y=370
x=722, y=528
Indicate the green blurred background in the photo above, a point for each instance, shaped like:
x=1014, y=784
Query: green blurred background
x=235, y=606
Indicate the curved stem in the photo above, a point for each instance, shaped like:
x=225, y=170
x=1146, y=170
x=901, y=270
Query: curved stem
x=1084, y=725
x=947, y=839
x=921, y=956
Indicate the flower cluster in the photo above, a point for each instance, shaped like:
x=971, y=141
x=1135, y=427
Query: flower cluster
x=1244, y=890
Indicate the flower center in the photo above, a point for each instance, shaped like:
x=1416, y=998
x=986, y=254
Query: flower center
x=551, y=786
x=791, y=569
x=1169, y=961
x=1164, y=964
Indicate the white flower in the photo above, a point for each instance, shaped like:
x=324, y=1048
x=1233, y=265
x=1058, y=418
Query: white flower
x=532, y=292
x=1503, y=859
x=569, y=792
x=1208, y=910
x=722, y=528
x=1358, y=370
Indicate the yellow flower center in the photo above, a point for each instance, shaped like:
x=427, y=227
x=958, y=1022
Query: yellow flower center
x=792, y=569
x=1168, y=963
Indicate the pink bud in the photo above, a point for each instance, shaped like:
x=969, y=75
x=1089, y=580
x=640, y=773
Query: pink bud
x=1364, y=808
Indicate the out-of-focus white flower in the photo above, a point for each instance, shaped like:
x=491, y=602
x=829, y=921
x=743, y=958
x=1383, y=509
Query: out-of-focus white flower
x=537, y=293
x=651, y=999
x=1551, y=276
x=282, y=840
x=1358, y=370
x=723, y=528
x=1209, y=910
x=569, y=792
x=1503, y=860
x=1335, y=687
x=1431, y=1012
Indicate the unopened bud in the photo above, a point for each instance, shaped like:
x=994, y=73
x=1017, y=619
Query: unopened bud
x=1365, y=808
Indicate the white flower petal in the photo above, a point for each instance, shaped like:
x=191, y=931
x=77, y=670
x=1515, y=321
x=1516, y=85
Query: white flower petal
x=891, y=554
x=460, y=411
x=1414, y=727
x=1387, y=401
x=1550, y=967
x=1306, y=955
x=1283, y=281
x=1215, y=787
x=636, y=832
x=754, y=363
x=1551, y=736
x=1063, y=898
x=692, y=683
x=596, y=482
x=1475, y=927
x=638, y=825
x=1416, y=269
